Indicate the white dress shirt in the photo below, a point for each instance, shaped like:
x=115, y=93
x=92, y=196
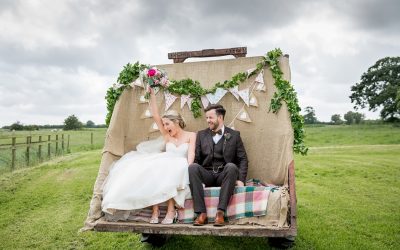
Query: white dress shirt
x=218, y=137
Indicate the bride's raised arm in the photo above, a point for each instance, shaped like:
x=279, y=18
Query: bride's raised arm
x=156, y=114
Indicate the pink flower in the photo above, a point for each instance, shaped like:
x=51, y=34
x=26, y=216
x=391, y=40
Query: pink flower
x=151, y=72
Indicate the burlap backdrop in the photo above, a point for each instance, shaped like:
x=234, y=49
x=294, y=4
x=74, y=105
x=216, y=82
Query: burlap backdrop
x=268, y=139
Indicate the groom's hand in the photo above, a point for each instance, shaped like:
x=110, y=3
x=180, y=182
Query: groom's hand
x=239, y=184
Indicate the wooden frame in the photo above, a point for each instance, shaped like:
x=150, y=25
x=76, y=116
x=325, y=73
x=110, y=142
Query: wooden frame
x=228, y=230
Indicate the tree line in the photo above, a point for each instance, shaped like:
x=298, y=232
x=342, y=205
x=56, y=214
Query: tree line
x=350, y=117
x=70, y=123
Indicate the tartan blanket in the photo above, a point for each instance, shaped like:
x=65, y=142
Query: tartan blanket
x=248, y=201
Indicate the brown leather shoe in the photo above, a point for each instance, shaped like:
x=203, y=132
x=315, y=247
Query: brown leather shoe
x=219, y=219
x=201, y=220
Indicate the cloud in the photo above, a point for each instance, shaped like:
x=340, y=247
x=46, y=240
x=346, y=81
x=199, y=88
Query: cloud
x=58, y=57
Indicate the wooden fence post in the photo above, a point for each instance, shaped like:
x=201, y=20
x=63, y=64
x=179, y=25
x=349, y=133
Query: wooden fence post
x=68, y=144
x=48, y=145
x=40, y=149
x=62, y=142
x=28, y=145
x=56, y=144
x=13, y=149
x=91, y=139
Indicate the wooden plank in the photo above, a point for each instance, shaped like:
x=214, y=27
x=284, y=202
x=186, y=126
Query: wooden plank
x=189, y=229
x=180, y=57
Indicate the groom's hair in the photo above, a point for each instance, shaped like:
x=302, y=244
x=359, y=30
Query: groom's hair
x=219, y=109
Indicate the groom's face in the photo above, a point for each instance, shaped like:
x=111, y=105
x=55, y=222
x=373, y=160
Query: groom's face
x=214, y=121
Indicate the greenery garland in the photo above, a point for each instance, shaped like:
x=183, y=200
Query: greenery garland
x=285, y=92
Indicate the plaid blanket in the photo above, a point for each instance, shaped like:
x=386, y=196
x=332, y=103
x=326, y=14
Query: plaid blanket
x=248, y=201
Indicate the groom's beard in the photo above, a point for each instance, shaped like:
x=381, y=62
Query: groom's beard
x=213, y=126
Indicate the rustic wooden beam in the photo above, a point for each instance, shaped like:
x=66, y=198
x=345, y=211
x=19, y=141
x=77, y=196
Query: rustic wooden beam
x=180, y=57
x=189, y=229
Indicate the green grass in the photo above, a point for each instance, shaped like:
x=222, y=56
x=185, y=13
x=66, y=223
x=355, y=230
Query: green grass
x=347, y=199
x=79, y=141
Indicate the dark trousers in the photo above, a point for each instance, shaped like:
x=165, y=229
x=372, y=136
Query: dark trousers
x=226, y=179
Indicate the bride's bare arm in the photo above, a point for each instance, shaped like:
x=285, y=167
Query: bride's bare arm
x=192, y=146
x=155, y=113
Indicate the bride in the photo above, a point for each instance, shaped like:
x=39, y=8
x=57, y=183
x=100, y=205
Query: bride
x=141, y=179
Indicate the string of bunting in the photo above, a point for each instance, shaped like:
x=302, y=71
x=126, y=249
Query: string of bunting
x=192, y=94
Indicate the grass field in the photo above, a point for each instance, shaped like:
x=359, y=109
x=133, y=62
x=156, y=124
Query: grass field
x=79, y=141
x=347, y=189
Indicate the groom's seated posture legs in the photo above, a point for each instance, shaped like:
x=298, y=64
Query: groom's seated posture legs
x=220, y=161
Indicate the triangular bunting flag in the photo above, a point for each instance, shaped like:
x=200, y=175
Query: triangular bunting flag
x=260, y=77
x=138, y=82
x=142, y=99
x=234, y=91
x=189, y=102
x=169, y=99
x=243, y=115
x=253, y=100
x=260, y=87
x=153, y=127
x=146, y=114
x=205, y=101
x=217, y=96
x=249, y=71
x=184, y=99
x=244, y=94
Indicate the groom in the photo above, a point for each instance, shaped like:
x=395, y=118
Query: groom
x=220, y=160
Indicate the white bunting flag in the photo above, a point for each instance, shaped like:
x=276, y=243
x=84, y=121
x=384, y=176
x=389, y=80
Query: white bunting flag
x=243, y=115
x=169, y=99
x=260, y=77
x=260, y=87
x=153, y=127
x=184, y=99
x=189, y=102
x=249, y=71
x=244, y=94
x=217, y=96
x=253, y=100
x=205, y=101
x=234, y=91
x=138, y=82
x=232, y=125
x=142, y=99
x=146, y=114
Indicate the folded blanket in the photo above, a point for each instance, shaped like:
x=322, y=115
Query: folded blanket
x=248, y=201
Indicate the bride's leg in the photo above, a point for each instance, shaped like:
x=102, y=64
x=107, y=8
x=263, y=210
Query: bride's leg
x=155, y=214
x=171, y=212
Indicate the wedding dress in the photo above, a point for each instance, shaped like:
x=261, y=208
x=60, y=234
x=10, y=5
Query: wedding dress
x=147, y=177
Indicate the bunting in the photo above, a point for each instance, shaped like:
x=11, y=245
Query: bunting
x=260, y=85
x=253, y=100
x=235, y=92
x=146, y=114
x=204, y=101
x=169, y=99
x=243, y=115
x=244, y=94
x=217, y=96
x=184, y=100
x=153, y=127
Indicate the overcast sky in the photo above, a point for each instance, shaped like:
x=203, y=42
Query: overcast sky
x=58, y=58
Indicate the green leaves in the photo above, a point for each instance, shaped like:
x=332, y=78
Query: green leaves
x=285, y=92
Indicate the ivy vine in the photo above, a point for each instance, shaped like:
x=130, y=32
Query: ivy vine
x=285, y=92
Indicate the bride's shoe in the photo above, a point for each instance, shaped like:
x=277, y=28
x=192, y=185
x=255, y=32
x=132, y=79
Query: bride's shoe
x=170, y=220
x=154, y=219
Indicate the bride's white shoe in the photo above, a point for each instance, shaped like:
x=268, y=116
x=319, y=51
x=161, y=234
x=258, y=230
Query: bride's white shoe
x=154, y=219
x=170, y=220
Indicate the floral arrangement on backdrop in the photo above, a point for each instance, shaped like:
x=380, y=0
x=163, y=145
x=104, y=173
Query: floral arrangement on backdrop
x=139, y=74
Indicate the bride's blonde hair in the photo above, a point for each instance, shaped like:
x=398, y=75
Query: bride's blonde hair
x=175, y=117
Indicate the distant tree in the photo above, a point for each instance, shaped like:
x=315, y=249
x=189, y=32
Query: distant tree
x=17, y=126
x=72, y=123
x=380, y=86
x=336, y=119
x=309, y=116
x=353, y=117
x=90, y=124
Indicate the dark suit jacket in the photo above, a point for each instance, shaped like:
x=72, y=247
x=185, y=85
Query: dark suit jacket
x=233, y=150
